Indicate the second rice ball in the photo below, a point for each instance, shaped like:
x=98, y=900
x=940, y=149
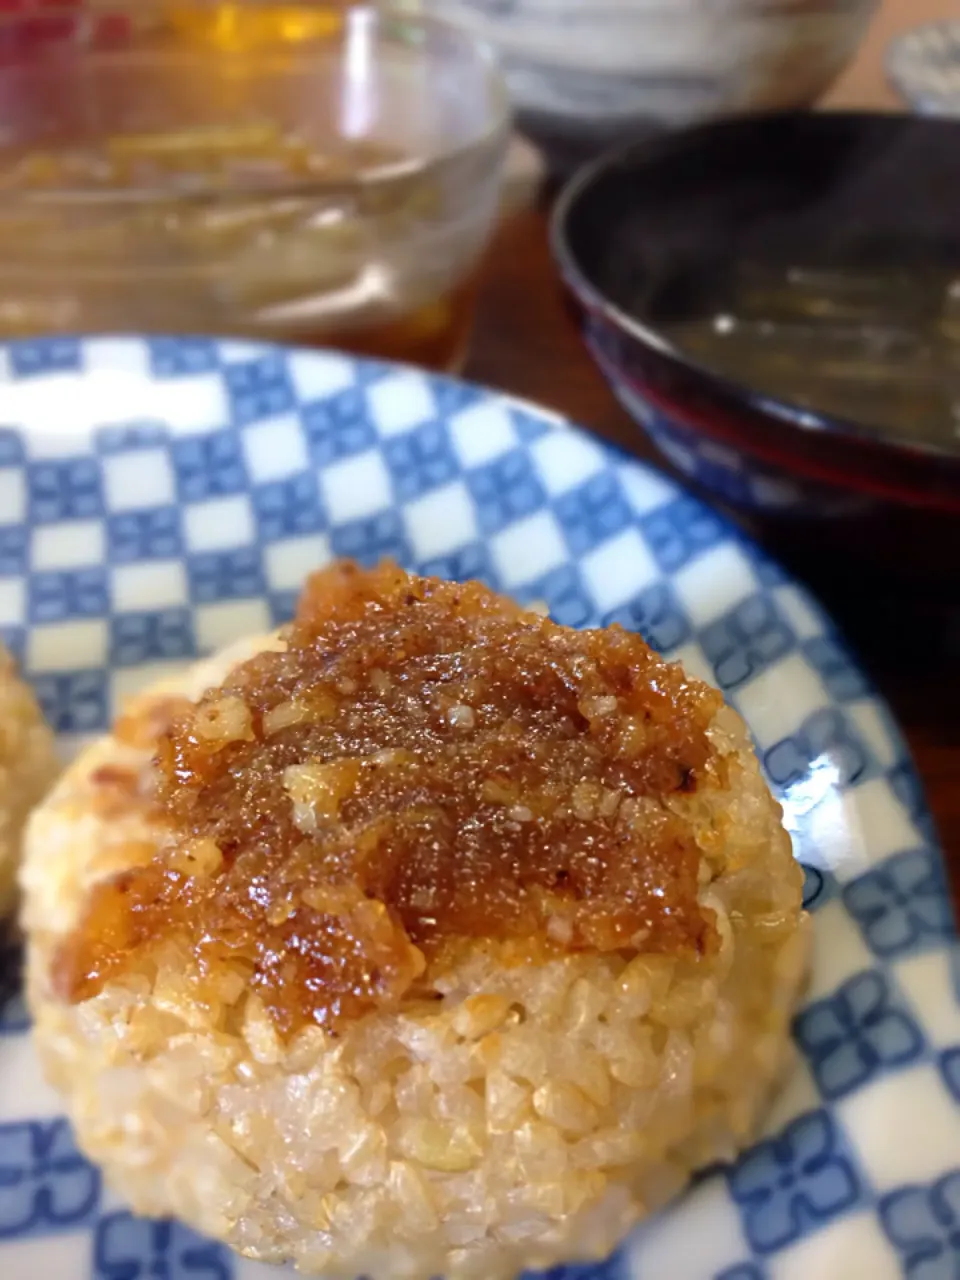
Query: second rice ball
x=28, y=766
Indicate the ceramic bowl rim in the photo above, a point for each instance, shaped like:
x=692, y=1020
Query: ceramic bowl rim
x=634, y=155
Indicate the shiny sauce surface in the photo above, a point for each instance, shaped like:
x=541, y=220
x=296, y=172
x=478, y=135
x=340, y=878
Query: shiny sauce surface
x=426, y=768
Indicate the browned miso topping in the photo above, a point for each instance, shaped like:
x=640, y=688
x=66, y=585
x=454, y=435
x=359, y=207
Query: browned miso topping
x=425, y=768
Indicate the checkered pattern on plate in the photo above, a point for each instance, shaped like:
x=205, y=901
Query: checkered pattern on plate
x=159, y=497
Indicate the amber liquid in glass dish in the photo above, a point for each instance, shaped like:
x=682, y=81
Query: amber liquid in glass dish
x=278, y=267
x=245, y=24
x=219, y=179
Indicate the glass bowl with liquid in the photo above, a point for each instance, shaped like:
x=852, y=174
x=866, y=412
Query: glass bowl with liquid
x=328, y=179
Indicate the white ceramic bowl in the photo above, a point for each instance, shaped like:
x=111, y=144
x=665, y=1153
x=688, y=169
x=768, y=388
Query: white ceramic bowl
x=924, y=67
x=584, y=73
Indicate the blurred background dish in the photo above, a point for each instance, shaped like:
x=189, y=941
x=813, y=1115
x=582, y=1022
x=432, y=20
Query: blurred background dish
x=331, y=184
x=924, y=67
x=776, y=300
x=583, y=74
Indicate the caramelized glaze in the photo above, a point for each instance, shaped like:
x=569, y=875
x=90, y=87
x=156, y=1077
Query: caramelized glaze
x=425, y=768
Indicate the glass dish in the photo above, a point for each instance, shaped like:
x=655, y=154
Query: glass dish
x=333, y=183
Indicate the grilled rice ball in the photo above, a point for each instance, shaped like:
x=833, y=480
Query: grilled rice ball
x=28, y=765
x=429, y=937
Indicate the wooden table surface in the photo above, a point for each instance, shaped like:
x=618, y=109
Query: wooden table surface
x=906, y=632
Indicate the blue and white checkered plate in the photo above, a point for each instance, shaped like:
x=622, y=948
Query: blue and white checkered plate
x=159, y=498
